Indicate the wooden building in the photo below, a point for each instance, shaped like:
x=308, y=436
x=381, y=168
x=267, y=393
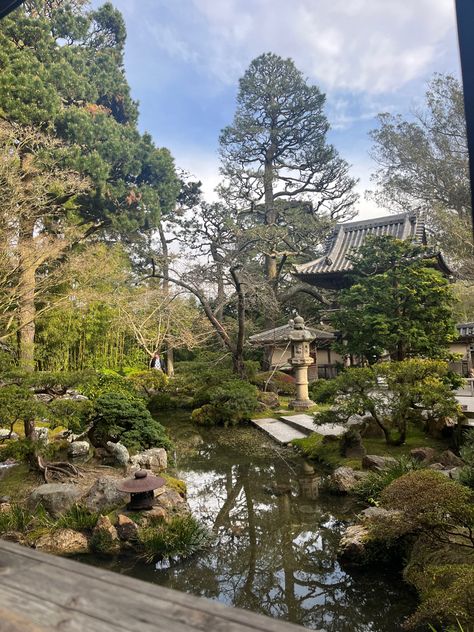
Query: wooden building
x=326, y=361
x=331, y=269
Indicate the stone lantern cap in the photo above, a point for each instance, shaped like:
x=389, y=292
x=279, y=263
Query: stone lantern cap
x=299, y=332
x=141, y=482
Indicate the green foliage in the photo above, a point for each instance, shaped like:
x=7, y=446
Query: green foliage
x=18, y=518
x=323, y=391
x=180, y=538
x=323, y=450
x=175, y=483
x=394, y=394
x=17, y=405
x=148, y=383
x=108, y=381
x=466, y=475
x=229, y=404
x=78, y=518
x=397, y=303
x=430, y=502
x=102, y=542
x=369, y=488
x=444, y=579
x=117, y=417
x=69, y=413
x=277, y=382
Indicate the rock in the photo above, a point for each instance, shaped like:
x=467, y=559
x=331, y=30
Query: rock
x=4, y=499
x=5, y=507
x=344, y=479
x=78, y=448
x=41, y=435
x=56, y=498
x=105, y=537
x=5, y=434
x=352, y=546
x=377, y=463
x=440, y=428
x=104, y=495
x=153, y=459
x=379, y=513
x=371, y=429
x=63, y=542
x=449, y=459
x=423, y=455
x=351, y=444
x=43, y=397
x=126, y=528
x=171, y=502
x=157, y=514
x=268, y=400
x=75, y=395
x=119, y=452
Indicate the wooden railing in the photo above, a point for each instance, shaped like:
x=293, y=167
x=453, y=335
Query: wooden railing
x=44, y=593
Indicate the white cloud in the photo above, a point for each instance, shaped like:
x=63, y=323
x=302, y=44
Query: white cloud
x=359, y=45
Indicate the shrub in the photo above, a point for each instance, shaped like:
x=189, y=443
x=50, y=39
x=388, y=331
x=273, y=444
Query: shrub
x=108, y=381
x=370, y=487
x=278, y=382
x=69, y=413
x=323, y=450
x=229, y=404
x=430, y=502
x=181, y=537
x=323, y=391
x=116, y=417
x=77, y=518
x=148, y=382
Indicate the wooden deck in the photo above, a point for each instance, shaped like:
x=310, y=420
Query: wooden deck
x=43, y=593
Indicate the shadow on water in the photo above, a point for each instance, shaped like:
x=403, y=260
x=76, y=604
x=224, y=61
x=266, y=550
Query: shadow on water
x=276, y=537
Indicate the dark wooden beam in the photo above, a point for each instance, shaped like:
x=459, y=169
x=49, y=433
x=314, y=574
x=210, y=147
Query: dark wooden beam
x=465, y=20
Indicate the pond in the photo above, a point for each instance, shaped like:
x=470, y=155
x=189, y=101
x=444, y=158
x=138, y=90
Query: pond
x=276, y=537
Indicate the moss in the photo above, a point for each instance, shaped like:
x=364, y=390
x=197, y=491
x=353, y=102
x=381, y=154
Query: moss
x=18, y=481
x=175, y=483
x=444, y=580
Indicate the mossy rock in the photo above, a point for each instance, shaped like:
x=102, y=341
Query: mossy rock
x=176, y=484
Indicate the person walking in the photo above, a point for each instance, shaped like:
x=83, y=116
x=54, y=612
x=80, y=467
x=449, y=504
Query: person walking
x=155, y=362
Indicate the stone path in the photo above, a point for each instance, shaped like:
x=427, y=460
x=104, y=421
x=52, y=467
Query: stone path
x=298, y=426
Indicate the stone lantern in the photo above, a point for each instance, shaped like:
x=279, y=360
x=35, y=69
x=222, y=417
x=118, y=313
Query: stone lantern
x=300, y=359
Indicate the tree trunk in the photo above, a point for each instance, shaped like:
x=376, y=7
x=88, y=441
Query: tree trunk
x=166, y=289
x=238, y=355
x=26, y=299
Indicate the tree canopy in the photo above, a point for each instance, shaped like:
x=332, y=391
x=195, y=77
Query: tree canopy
x=398, y=303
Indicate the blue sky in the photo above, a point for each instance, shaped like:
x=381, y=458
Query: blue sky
x=184, y=59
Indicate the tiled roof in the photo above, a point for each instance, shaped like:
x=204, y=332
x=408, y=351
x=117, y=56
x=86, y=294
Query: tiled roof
x=347, y=238
x=282, y=334
x=465, y=329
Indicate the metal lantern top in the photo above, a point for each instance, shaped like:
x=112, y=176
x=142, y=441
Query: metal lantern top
x=141, y=482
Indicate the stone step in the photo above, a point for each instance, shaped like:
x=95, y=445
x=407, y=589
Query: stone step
x=280, y=431
x=305, y=423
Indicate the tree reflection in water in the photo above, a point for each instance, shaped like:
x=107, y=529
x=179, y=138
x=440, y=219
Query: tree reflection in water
x=276, y=543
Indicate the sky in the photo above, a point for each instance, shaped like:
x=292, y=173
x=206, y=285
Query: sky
x=184, y=58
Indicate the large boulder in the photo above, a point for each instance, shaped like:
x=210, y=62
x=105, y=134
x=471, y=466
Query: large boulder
x=440, y=428
x=105, y=537
x=377, y=463
x=104, y=496
x=268, y=400
x=63, y=542
x=56, y=498
x=6, y=434
x=423, y=455
x=41, y=435
x=119, y=452
x=153, y=459
x=344, y=479
x=449, y=459
x=353, y=544
x=78, y=448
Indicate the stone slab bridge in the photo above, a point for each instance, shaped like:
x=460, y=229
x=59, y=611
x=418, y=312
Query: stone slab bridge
x=44, y=593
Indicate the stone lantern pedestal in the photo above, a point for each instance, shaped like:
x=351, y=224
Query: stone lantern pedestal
x=300, y=360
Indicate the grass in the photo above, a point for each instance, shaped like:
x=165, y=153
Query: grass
x=17, y=481
x=181, y=537
x=328, y=454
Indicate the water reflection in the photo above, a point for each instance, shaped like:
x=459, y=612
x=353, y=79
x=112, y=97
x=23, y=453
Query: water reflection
x=276, y=542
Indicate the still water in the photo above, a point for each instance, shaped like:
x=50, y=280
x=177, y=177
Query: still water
x=276, y=537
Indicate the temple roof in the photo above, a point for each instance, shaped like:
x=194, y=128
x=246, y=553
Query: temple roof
x=282, y=334
x=329, y=269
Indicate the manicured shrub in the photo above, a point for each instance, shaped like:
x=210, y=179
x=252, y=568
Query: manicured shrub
x=229, y=404
x=278, y=382
x=69, y=413
x=323, y=391
x=466, y=475
x=429, y=502
x=108, y=381
x=149, y=382
x=116, y=417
